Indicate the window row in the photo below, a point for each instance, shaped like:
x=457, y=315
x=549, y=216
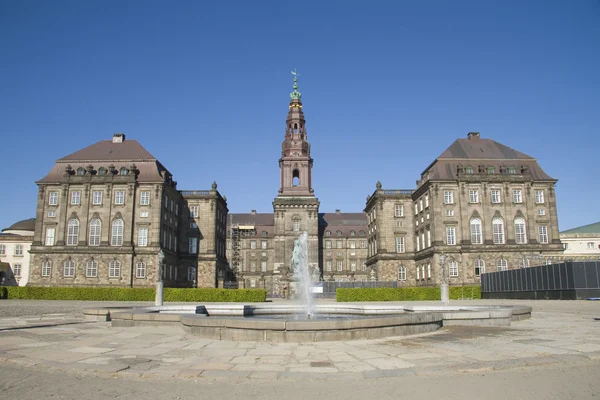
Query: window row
x=17, y=250
x=90, y=269
x=482, y=169
x=339, y=266
x=498, y=232
x=102, y=171
x=97, y=198
x=339, y=233
x=495, y=196
x=339, y=244
x=95, y=231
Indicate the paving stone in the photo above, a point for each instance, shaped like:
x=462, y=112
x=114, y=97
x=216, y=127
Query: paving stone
x=385, y=373
x=212, y=366
x=244, y=360
x=353, y=366
x=224, y=374
x=312, y=369
x=389, y=363
x=91, y=350
x=259, y=367
x=271, y=376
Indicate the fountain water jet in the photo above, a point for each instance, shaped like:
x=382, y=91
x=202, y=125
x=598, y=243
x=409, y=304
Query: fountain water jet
x=302, y=274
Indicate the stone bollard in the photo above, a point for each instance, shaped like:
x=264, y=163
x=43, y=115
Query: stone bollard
x=445, y=293
x=158, y=299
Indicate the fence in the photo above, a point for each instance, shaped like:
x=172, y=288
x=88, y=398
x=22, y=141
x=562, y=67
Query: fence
x=566, y=280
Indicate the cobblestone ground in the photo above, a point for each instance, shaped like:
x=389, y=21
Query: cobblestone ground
x=559, y=347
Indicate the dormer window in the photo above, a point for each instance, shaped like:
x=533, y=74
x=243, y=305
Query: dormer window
x=469, y=170
x=512, y=170
x=80, y=171
x=327, y=233
x=338, y=233
x=123, y=171
x=264, y=233
x=361, y=233
x=101, y=171
x=491, y=170
x=352, y=233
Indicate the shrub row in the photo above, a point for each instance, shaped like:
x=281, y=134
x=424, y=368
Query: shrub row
x=136, y=294
x=405, y=294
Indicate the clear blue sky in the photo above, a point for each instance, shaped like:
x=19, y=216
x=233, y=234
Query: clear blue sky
x=387, y=86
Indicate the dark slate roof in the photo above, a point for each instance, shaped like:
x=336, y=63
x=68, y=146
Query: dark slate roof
x=482, y=149
x=591, y=228
x=487, y=152
x=24, y=225
x=106, y=150
x=150, y=171
x=343, y=219
x=258, y=219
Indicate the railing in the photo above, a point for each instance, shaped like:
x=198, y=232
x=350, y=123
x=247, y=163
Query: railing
x=195, y=192
x=400, y=191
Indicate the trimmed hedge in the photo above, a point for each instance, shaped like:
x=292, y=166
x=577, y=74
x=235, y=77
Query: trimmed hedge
x=136, y=294
x=405, y=294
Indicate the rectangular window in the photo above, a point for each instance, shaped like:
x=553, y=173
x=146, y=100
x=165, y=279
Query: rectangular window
x=352, y=265
x=517, y=196
x=541, y=211
x=191, y=275
x=16, y=269
x=399, y=210
x=450, y=235
x=263, y=266
x=543, y=230
x=448, y=197
x=50, y=233
x=328, y=265
x=363, y=244
x=144, y=214
x=340, y=266
x=2, y=249
x=423, y=239
x=473, y=196
x=252, y=283
x=252, y=266
x=539, y=196
x=590, y=245
x=194, y=211
x=352, y=244
x=296, y=226
x=46, y=268
x=339, y=253
x=53, y=198
x=143, y=237
x=145, y=198
x=498, y=231
x=418, y=272
x=401, y=273
x=328, y=244
x=418, y=243
x=114, y=269
x=416, y=208
x=97, y=198
x=476, y=233
x=449, y=212
x=428, y=238
x=193, y=245
x=91, y=269
x=338, y=244
x=120, y=197
x=495, y=196
x=18, y=250
x=421, y=204
x=426, y=201
x=263, y=244
x=76, y=198
x=400, y=248
x=253, y=244
x=51, y=214
x=453, y=268
x=520, y=234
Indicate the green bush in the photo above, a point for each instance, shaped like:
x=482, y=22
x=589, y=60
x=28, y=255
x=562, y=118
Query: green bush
x=136, y=294
x=405, y=294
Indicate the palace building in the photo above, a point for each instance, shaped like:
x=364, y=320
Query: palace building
x=105, y=212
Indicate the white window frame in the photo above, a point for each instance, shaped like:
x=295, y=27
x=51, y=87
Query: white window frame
x=449, y=212
x=2, y=249
x=117, y=230
x=520, y=231
x=451, y=235
x=18, y=250
x=263, y=244
x=353, y=265
x=50, y=236
x=145, y=198
x=400, y=244
x=328, y=265
x=95, y=232
x=517, y=196
x=194, y=211
x=140, y=270
x=17, y=269
x=91, y=269
x=53, y=198
x=51, y=214
x=495, y=196
x=453, y=269
x=296, y=226
x=399, y=210
x=114, y=269
x=119, y=197
x=473, y=196
x=263, y=266
x=193, y=245
x=401, y=273
x=143, y=236
x=448, y=197
x=539, y=197
x=543, y=234
x=502, y=265
x=75, y=198
x=72, y=232
x=426, y=200
x=339, y=265
x=498, y=230
x=97, y=197
x=478, y=267
x=252, y=266
x=46, y=268
x=144, y=214
x=590, y=245
x=253, y=244
x=476, y=231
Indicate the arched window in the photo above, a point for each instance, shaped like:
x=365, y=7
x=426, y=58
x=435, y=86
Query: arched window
x=95, y=228
x=327, y=233
x=352, y=233
x=520, y=232
x=123, y=171
x=491, y=170
x=338, y=233
x=296, y=178
x=140, y=270
x=498, y=229
x=401, y=273
x=114, y=269
x=453, y=269
x=69, y=268
x=117, y=233
x=72, y=232
x=512, y=170
x=476, y=237
x=479, y=266
x=469, y=170
x=80, y=171
x=361, y=233
x=101, y=171
x=91, y=269
x=46, y=268
x=296, y=225
x=524, y=263
x=264, y=233
x=191, y=276
x=502, y=265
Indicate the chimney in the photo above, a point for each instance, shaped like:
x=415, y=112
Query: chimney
x=337, y=211
x=253, y=212
x=118, y=137
x=473, y=136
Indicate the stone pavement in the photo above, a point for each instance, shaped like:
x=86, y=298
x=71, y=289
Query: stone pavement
x=564, y=333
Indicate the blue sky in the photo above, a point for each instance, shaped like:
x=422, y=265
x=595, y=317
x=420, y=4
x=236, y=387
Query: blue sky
x=387, y=86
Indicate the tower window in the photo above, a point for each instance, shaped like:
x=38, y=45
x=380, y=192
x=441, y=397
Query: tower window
x=296, y=178
x=295, y=128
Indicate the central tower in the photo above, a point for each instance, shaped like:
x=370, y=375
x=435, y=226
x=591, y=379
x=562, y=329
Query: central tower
x=295, y=209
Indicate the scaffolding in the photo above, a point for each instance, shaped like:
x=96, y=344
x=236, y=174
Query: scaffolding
x=237, y=232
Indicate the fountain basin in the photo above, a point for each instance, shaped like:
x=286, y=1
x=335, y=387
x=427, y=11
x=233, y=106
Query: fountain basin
x=363, y=321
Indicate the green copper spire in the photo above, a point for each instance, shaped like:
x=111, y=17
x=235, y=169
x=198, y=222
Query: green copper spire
x=295, y=95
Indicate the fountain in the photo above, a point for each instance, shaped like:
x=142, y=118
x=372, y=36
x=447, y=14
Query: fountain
x=302, y=274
